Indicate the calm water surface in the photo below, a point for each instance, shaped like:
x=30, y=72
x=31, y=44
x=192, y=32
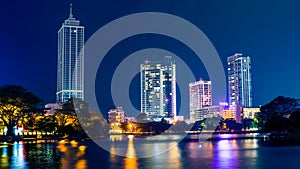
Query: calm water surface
x=226, y=154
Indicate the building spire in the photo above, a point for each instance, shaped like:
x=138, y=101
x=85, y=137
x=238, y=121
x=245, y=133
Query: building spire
x=71, y=14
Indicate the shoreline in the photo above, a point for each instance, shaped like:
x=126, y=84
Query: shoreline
x=268, y=138
x=187, y=137
x=34, y=139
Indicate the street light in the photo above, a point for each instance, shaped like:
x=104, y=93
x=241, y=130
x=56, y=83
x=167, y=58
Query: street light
x=130, y=127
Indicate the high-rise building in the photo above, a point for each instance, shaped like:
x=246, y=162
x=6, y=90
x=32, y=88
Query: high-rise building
x=70, y=63
x=239, y=80
x=158, y=88
x=200, y=96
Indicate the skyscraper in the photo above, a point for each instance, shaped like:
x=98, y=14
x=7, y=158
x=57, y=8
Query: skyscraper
x=200, y=96
x=70, y=63
x=158, y=88
x=239, y=80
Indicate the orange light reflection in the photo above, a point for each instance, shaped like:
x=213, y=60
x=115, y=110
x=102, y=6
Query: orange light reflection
x=130, y=160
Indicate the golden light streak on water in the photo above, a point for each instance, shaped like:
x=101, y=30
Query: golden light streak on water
x=74, y=143
x=81, y=164
x=82, y=148
x=175, y=155
x=130, y=160
x=62, y=148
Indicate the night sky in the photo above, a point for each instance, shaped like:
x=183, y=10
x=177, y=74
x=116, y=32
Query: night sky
x=268, y=31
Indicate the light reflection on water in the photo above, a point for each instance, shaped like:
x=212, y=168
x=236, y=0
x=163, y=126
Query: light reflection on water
x=73, y=155
x=131, y=160
x=227, y=155
x=13, y=155
x=224, y=154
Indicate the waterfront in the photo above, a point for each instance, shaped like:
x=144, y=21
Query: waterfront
x=224, y=153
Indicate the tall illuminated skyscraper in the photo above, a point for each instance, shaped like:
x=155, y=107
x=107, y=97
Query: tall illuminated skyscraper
x=239, y=80
x=200, y=96
x=70, y=63
x=158, y=88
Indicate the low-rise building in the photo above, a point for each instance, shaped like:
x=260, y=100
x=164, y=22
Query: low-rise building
x=207, y=112
x=179, y=118
x=116, y=115
x=51, y=108
x=233, y=112
x=249, y=113
x=129, y=119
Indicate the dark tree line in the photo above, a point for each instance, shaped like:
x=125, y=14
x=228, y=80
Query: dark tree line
x=281, y=114
x=21, y=108
x=17, y=104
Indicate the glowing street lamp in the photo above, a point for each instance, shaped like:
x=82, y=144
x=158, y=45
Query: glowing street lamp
x=130, y=127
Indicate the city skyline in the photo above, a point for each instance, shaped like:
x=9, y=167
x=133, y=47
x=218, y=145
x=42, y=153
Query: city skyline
x=22, y=65
x=149, y=84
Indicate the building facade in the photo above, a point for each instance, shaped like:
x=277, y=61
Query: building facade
x=51, y=108
x=129, y=119
x=200, y=96
x=116, y=115
x=239, y=80
x=207, y=112
x=249, y=113
x=234, y=112
x=70, y=63
x=158, y=88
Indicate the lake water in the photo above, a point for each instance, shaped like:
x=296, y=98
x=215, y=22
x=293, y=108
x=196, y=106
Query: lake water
x=226, y=154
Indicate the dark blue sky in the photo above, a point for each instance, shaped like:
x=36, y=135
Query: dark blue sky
x=268, y=31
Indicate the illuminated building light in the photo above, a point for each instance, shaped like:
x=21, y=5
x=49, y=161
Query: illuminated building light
x=239, y=80
x=158, y=88
x=70, y=75
x=200, y=94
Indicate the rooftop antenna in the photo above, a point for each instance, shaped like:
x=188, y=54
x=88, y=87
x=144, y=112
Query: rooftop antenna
x=71, y=14
x=147, y=61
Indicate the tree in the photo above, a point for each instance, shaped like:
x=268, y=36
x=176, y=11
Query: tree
x=283, y=106
x=248, y=123
x=295, y=122
x=274, y=115
x=212, y=123
x=180, y=126
x=142, y=118
x=46, y=124
x=232, y=125
x=66, y=117
x=76, y=119
x=198, y=125
x=16, y=103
